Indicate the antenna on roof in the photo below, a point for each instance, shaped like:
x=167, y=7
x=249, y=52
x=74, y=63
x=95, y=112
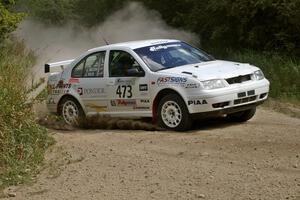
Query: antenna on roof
x=103, y=38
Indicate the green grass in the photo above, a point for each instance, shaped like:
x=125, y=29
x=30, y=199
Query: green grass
x=283, y=72
x=22, y=141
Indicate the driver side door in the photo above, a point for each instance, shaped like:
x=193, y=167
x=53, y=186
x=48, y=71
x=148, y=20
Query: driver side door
x=127, y=84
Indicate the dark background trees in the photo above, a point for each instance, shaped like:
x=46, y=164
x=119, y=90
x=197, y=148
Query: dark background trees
x=253, y=24
x=8, y=19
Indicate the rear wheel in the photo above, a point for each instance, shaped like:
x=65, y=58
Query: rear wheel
x=173, y=113
x=71, y=111
x=242, y=116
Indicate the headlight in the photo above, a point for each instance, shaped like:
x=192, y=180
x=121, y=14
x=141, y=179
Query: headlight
x=213, y=84
x=258, y=75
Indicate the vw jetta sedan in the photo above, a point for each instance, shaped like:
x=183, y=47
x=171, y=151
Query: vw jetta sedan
x=168, y=80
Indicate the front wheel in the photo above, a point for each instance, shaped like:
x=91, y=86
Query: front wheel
x=71, y=111
x=173, y=113
x=242, y=116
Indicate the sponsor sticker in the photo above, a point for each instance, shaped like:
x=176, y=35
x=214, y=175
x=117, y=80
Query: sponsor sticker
x=197, y=102
x=143, y=87
x=74, y=80
x=145, y=101
x=64, y=86
x=80, y=91
x=59, y=86
x=123, y=102
x=141, y=108
x=94, y=92
x=172, y=80
x=97, y=107
x=59, y=91
x=192, y=85
x=121, y=81
x=160, y=47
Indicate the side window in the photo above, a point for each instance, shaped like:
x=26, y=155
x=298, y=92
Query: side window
x=122, y=64
x=78, y=70
x=91, y=66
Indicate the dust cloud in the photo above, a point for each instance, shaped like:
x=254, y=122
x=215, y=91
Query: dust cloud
x=56, y=43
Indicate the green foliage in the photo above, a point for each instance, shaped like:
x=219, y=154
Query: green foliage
x=53, y=11
x=92, y=12
x=89, y=12
x=8, y=20
x=256, y=24
x=22, y=141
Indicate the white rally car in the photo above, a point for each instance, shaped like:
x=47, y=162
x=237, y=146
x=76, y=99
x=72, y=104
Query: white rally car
x=167, y=80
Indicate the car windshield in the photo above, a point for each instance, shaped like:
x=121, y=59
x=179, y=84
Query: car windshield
x=170, y=55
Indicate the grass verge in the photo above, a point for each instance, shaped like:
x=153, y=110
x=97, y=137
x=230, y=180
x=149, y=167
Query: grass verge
x=22, y=141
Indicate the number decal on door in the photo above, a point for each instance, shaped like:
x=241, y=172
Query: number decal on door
x=124, y=91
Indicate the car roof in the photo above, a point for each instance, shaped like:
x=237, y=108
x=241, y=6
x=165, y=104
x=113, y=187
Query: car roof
x=135, y=44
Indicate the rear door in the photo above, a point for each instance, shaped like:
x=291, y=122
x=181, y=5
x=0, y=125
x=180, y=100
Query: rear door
x=88, y=76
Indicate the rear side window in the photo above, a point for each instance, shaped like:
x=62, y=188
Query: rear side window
x=91, y=66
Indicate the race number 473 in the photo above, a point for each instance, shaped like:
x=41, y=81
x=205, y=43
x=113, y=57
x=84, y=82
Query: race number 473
x=124, y=91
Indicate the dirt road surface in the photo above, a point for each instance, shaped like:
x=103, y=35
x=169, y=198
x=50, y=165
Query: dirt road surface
x=218, y=160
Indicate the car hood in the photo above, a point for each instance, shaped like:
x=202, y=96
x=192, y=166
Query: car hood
x=212, y=70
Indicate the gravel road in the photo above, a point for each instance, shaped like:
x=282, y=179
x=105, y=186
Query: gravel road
x=259, y=159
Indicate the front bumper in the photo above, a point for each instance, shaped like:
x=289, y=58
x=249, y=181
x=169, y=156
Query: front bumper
x=228, y=100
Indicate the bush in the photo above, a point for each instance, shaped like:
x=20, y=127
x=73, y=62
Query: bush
x=22, y=141
x=8, y=20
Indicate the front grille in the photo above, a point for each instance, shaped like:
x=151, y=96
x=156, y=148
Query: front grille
x=239, y=79
x=244, y=100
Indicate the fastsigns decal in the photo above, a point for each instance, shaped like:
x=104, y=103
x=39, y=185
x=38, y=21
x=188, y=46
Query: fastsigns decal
x=197, y=102
x=172, y=80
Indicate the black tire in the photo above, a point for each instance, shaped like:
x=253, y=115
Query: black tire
x=242, y=116
x=73, y=103
x=172, y=118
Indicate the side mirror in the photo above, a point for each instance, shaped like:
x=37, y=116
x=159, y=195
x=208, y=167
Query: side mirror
x=135, y=73
x=47, y=68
